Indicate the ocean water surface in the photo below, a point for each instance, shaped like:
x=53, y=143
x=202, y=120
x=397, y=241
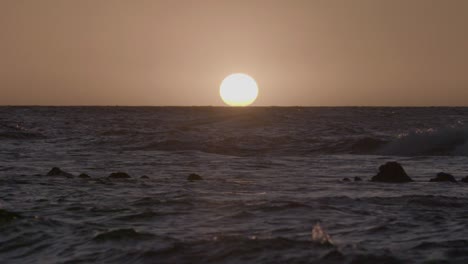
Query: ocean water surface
x=272, y=189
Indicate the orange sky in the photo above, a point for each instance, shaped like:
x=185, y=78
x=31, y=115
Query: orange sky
x=360, y=52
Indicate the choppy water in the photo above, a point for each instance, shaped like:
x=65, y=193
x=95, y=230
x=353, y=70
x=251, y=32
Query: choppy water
x=270, y=175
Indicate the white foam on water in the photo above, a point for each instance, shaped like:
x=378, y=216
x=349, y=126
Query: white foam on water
x=321, y=236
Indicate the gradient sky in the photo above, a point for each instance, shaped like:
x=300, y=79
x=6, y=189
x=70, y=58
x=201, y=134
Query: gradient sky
x=313, y=53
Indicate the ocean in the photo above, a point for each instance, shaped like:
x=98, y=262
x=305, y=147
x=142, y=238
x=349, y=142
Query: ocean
x=272, y=188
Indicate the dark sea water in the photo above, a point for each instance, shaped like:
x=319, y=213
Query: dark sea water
x=270, y=175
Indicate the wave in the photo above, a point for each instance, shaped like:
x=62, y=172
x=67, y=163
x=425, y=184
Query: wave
x=430, y=142
x=443, y=141
x=149, y=201
x=20, y=135
x=280, y=206
x=122, y=234
x=252, y=249
x=240, y=249
x=226, y=146
x=138, y=216
x=432, y=201
x=429, y=201
x=17, y=132
x=442, y=244
x=262, y=145
x=452, y=141
x=256, y=132
x=351, y=145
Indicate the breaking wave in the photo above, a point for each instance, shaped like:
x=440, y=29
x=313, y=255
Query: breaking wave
x=430, y=142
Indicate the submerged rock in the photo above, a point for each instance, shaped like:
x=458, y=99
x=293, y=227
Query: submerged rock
x=356, y=179
x=346, y=180
x=391, y=172
x=465, y=179
x=6, y=216
x=443, y=177
x=55, y=171
x=119, y=175
x=84, y=176
x=144, y=177
x=194, y=177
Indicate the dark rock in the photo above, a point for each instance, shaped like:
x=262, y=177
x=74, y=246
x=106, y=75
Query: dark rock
x=6, y=216
x=58, y=172
x=119, y=175
x=346, y=180
x=391, y=172
x=144, y=177
x=443, y=177
x=357, y=179
x=84, y=176
x=465, y=179
x=194, y=177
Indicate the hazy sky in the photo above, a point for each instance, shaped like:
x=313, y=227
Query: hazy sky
x=135, y=52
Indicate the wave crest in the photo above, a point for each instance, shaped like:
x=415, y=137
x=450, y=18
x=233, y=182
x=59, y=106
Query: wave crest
x=430, y=142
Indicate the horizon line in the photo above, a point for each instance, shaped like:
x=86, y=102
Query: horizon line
x=251, y=106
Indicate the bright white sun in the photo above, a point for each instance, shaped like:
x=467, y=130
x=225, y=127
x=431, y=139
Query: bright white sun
x=238, y=89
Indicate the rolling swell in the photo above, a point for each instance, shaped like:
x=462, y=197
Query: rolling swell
x=122, y=234
x=430, y=142
x=17, y=133
x=248, y=146
x=20, y=135
x=445, y=141
x=256, y=131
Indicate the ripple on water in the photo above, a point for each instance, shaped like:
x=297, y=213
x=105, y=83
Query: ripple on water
x=122, y=234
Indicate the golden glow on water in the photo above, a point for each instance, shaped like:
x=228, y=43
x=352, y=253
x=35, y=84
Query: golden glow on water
x=238, y=89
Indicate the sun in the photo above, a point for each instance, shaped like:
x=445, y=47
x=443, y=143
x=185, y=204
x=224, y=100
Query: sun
x=238, y=89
